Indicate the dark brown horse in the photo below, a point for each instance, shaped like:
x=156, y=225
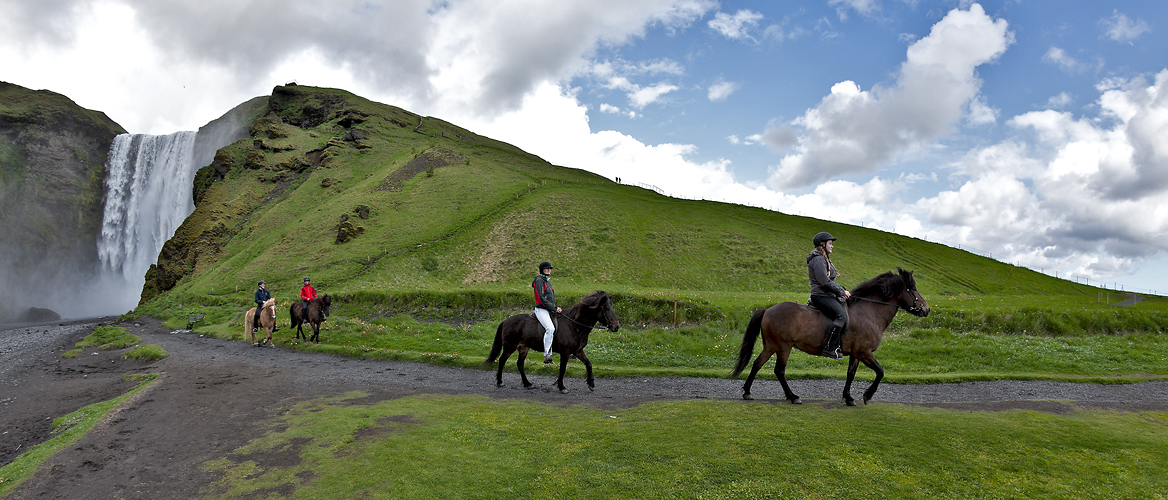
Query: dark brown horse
x=871, y=308
x=523, y=332
x=318, y=310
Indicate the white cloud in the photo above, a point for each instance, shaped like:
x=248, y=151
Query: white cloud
x=608, y=108
x=1059, y=57
x=864, y=7
x=854, y=131
x=1122, y=28
x=721, y=91
x=980, y=113
x=1059, y=101
x=737, y=26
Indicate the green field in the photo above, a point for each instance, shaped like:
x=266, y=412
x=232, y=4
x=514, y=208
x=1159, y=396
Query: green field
x=455, y=225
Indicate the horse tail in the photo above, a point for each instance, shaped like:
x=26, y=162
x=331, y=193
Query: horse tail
x=748, y=339
x=497, y=347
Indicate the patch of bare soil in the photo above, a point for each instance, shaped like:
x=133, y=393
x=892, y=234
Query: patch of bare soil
x=215, y=395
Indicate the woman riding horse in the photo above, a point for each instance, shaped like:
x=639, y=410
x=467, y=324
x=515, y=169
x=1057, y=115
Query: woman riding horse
x=826, y=295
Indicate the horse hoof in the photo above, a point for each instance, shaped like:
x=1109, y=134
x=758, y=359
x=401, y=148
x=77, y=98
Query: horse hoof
x=563, y=391
x=851, y=402
x=498, y=384
x=747, y=397
x=796, y=401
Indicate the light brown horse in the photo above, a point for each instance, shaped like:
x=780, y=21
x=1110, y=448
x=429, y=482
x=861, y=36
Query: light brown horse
x=267, y=321
x=788, y=325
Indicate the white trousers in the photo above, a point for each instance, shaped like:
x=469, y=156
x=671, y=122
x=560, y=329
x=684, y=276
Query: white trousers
x=545, y=319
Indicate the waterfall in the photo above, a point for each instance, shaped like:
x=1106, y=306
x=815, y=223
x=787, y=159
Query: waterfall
x=148, y=195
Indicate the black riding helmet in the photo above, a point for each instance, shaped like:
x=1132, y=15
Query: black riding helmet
x=306, y=278
x=260, y=283
x=545, y=265
x=821, y=238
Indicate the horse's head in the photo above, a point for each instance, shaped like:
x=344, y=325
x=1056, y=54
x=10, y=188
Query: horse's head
x=270, y=304
x=607, y=312
x=910, y=299
x=326, y=303
x=593, y=308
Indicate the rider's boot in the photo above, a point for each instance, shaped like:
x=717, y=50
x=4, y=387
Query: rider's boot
x=831, y=344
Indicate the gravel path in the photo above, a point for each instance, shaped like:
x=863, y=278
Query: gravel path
x=214, y=393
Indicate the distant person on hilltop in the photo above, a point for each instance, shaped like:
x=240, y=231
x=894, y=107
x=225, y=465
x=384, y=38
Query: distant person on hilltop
x=826, y=294
x=307, y=294
x=262, y=295
x=545, y=304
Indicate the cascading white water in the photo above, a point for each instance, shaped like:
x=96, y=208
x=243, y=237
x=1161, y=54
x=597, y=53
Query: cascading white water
x=148, y=195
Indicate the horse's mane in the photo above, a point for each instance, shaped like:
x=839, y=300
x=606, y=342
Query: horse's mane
x=591, y=300
x=884, y=287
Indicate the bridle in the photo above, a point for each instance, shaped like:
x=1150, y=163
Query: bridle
x=915, y=309
x=601, y=319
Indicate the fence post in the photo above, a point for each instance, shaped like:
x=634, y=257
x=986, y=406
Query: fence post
x=675, y=312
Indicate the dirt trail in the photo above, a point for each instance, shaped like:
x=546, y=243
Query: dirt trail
x=214, y=393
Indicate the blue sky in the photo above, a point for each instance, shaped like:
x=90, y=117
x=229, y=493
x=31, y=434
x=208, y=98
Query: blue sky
x=1035, y=131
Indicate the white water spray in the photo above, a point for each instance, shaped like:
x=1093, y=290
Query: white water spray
x=148, y=195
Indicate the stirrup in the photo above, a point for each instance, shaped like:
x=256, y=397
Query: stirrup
x=832, y=353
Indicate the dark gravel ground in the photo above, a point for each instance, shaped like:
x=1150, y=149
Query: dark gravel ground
x=214, y=393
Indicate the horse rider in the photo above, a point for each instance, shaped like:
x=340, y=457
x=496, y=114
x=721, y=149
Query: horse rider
x=261, y=296
x=545, y=304
x=826, y=294
x=307, y=294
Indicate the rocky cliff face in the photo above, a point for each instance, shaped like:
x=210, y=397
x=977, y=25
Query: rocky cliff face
x=52, y=181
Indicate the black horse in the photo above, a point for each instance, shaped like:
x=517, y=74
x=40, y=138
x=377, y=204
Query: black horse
x=523, y=332
x=318, y=310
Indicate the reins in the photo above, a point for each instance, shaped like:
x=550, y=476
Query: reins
x=914, y=307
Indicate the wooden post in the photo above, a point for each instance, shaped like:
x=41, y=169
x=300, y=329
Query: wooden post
x=675, y=311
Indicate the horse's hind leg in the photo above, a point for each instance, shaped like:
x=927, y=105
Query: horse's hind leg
x=523, y=374
x=761, y=360
x=781, y=374
x=502, y=361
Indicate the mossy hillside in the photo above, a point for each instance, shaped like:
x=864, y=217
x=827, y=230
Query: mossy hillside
x=271, y=205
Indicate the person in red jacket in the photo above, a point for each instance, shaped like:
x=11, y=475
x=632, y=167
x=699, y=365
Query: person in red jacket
x=307, y=294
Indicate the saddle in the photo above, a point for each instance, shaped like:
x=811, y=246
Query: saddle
x=824, y=320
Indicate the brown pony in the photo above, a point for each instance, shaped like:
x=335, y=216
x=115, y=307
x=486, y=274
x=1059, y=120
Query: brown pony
x=871, y=308
x=267, y=321
x=318, y=310
x=523, y=332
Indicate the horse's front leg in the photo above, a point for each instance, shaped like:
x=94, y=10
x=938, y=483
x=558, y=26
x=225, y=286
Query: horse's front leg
x=870, y=362
x=853, y=363
x=587, y=366
x=522, y=373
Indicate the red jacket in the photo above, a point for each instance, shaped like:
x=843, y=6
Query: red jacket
x=307, y=293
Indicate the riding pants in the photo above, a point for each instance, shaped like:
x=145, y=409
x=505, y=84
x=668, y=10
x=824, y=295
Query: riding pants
x=304, y=311
x=256, y=319
x=833, y=309
x=545, y=319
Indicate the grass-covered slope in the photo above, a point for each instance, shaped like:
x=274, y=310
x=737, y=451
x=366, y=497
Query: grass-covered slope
x=450, y=210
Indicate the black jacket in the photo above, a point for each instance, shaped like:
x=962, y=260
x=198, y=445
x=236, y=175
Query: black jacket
x=822, y=276
x=262, y=296
x=545, y=295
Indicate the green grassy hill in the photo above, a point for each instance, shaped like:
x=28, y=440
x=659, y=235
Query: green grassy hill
x=406, y=218
x=451, y=210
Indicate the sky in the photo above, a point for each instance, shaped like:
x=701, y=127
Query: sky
x=1034, y=132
